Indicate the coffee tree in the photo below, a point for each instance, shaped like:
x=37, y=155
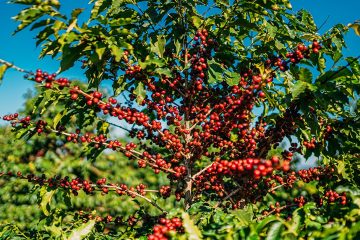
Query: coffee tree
x=218, y=99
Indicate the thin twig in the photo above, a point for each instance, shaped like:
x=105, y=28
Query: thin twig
x=132, y=192
x=327, y=18
x=228, y=196
x=134, y=153
x=342, y=68
x=272, y=211
x=10, y=65
x=201, y=171
x=274, y=188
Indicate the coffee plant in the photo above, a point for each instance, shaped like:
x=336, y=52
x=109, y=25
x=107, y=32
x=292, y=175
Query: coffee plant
x=216, y=103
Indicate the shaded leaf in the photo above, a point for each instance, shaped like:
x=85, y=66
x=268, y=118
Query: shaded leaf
x=58, y=117
x=305, y=75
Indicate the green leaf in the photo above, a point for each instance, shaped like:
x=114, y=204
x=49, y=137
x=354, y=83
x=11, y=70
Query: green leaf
x=159, y=46
x=3, y=69
x=150, y=63
x=274, y=232
x=42, y=23
x=279, y=46
x=356, y=27
x=191, y=229
x=58, y=117
x=82, y=231
x=196, y=21
x=164, y=71
x=119, y=85
x=321, y=64
x=46, y=197
x=341, y=169
x=27, y=17
x=70, y=55
x=299, y=87
x=232, y=78
x=265, y=222
x=103, y=127
x=272, y=102
x=76, y=12
x=354, y=65
x=21, y=133
x=233, y=137
x=305, y=75
x=271, y=30
x=96, y=9
x=140, y=93
x=100, y=50
x=55, y=231
x=297, y=220
x=245, y=215
x=215, y=72
x=117, y=52
x=177, y=47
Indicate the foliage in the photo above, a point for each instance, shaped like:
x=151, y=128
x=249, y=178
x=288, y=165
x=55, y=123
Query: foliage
x=218, y=100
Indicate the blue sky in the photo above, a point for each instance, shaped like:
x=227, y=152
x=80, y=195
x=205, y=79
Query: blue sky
x=20, y=49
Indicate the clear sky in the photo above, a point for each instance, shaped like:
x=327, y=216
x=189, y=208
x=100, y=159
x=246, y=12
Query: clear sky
x=21, y=50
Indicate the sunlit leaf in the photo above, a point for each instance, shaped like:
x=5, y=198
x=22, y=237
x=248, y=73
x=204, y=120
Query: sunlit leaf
x=191, y=229
x=3, y=69
x=82, y=231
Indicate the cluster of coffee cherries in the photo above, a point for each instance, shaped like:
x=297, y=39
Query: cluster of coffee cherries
x=300, y=201
x=165, y=228
x=332, y=196
x=13, y=118
x=273, y=209
x=107, y=219
x=133, y=71
x=256, y=167
x=77, y=184
x=131, y=115
x=305, y=175
x=315, y=174
x=294, y=147
x=117, y=220
x=328, y=132
x=295, y=56
x=93, y=98
x=285, y=126
x=310, y=144
x=198, y=58
x=316, y=46
x=202, y=37
x=40, y=126
x=165, y=191
x=50, y=79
